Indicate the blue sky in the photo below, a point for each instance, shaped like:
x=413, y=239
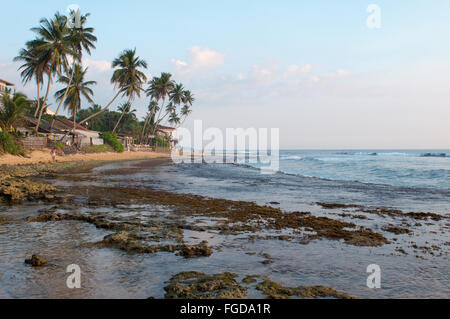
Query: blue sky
x=312, y=68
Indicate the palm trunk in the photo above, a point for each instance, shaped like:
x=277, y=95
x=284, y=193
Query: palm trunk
x=159, y=115
x=101, y=111
x=74, y=119
x=143, y=129
x=120, y=119
x=44, y=104
x=38, y=98
x=65, y=94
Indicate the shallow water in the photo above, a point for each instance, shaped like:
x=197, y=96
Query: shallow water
x=111, y=273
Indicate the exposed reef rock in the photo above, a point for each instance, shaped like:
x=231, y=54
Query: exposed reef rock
x=36, y=261
x=197, y=285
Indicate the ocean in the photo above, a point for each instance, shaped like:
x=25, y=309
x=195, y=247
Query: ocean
x=414, y=264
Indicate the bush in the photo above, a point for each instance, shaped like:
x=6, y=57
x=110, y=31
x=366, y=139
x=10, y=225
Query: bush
x=9, y=145
x=111, y=139
x=97, y=148
x=157, y=141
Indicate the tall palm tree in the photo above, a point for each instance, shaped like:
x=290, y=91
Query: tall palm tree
x=80, y=37
x=76, y=88
x=127, y=77
x=124, y=108
x=188, y=100
x=53, y=47
x=33, y=67
x=153, y=107
x=160, y=88
x=185, y=111
x=177, y=95
x=12, y=109
x=174, y=119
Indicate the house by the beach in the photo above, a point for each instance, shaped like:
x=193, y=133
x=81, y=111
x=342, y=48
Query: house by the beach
x=80, y=133
x=166, y=132
x=6, y=87
x=27, y=125
x=62, y=129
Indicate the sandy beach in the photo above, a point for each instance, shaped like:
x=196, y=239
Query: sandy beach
x=44, y=157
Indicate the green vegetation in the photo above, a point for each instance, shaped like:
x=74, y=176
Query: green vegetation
x=9, y=145
x=55, y=55
x=157, y=141
x=111, y=139
x=12, y=109
x=75, y=88
x=97, y=148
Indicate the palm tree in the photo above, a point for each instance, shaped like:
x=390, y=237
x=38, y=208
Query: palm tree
x=13, y=108
x=76, y=88
x=124, y=108
x=153, y=107
x=80, y=38
x=32, y=68
x=185, y=111
x=177, y=95
x=159, y=89
x=188, y=99
x=127, y=77
x=173, y=118
x=52, y=47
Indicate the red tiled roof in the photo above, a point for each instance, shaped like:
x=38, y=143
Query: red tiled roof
x=162, y=127
x=69, y=124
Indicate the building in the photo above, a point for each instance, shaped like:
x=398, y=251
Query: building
x=27, y=126
x=62, y=131
x=166, y=132
x=80, y=133
x=6, y=86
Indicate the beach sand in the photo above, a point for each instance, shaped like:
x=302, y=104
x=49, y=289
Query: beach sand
x=44, y=157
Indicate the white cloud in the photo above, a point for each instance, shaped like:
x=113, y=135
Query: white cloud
x=298, y=69
x=199, y=58
x=260, y=73
x=342, y=73
x=97, y=65
x=205, y=57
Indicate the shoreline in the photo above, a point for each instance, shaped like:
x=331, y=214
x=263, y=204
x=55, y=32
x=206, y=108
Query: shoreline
x=41, y=157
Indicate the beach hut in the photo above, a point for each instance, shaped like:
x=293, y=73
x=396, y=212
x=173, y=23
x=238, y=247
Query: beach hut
x=80, y=133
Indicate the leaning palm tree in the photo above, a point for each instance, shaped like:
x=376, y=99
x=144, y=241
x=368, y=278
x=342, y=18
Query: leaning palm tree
x=12, y=109
x=185, y=111
x=177, y=95
x=188, y=98
x=127, y=77
x=153, y=107
x=81, y=38
x=76, y=88
x=53, y=47
x=125, y=108
x=174, y=119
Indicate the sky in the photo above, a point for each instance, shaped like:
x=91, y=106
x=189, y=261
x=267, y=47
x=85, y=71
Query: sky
x=313, y=69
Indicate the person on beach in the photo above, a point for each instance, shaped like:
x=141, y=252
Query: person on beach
x=53, y=154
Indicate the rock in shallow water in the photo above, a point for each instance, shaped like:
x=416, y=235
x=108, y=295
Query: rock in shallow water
x=36, y=261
